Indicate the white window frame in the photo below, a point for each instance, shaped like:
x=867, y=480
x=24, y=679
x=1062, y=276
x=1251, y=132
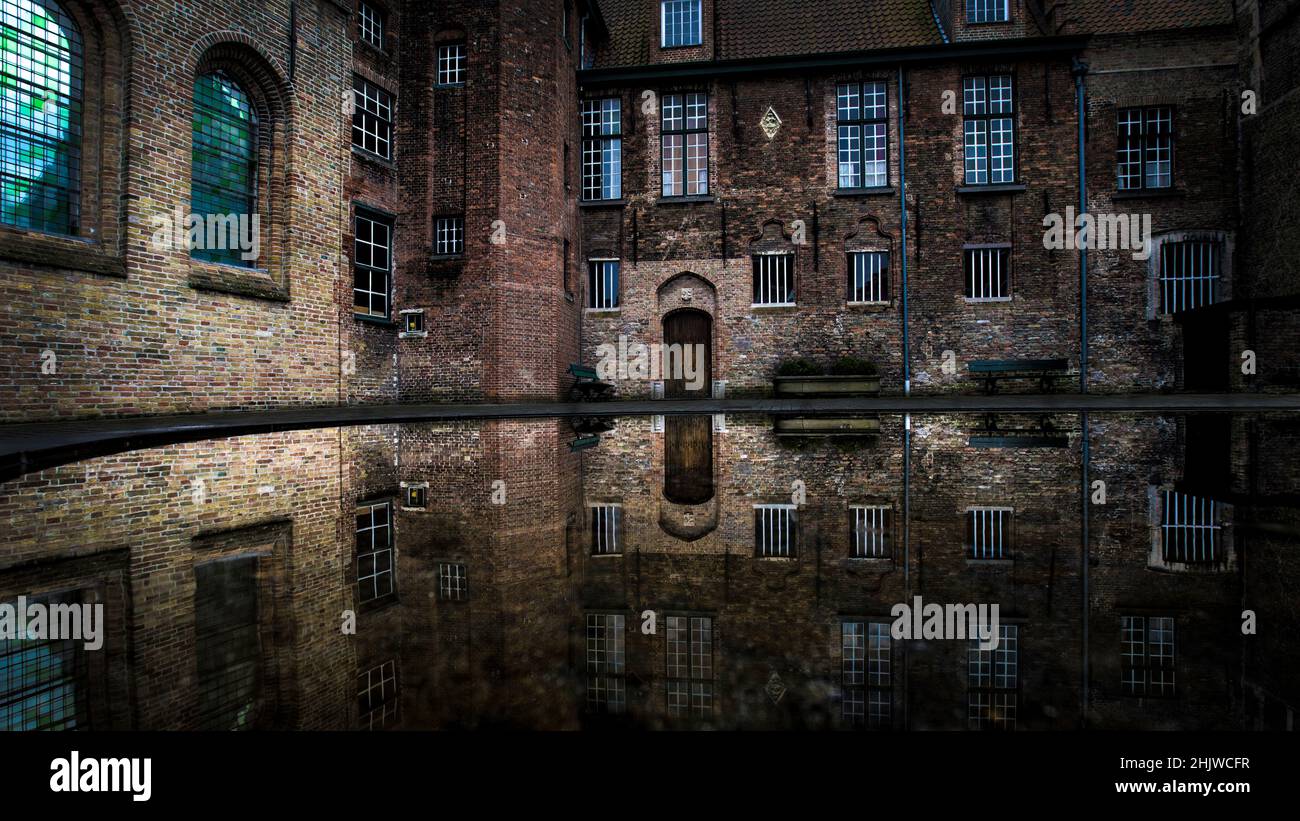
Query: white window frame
x=602, y=149
x=987, y=124
x=771, y=271
x=453, y=581
x=449, y=236
x=452, y=65
x=778, y=536
x=988, y=11
x=691, y=8
x=372, y=118
x=370, y=24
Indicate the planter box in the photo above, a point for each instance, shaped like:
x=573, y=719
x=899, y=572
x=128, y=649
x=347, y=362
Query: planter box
x=827, y=426
x=827, y=385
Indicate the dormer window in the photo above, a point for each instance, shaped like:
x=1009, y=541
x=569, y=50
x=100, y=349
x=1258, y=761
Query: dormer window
x=988, y=11
x=679, y=23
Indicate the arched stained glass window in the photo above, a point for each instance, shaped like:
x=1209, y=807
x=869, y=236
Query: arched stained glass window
x=40, y=116
x=223, y=182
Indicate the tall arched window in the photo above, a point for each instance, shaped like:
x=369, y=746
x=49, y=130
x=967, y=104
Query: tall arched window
x=41, y=65
x=223, y=181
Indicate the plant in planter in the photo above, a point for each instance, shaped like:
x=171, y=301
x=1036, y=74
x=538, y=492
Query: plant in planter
x=853, y=366
x=849, y=376
x=798, y=367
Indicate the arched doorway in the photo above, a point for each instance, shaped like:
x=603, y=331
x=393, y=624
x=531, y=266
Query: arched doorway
x=688, y=338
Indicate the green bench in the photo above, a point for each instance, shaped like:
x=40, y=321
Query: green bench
x=588, y=388
x=1046, y=371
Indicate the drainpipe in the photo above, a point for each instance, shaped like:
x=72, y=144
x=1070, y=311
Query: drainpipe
x=1080, y=71
x=902, y=210
x=907, y=391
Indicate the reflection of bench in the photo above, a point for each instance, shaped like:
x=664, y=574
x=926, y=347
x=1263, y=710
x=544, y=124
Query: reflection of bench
x=1044, y=370
x=588, y=387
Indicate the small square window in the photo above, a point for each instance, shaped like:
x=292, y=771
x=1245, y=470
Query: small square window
x=413, y=322
x=449, y=236
x=415, y=496
x=451, y=65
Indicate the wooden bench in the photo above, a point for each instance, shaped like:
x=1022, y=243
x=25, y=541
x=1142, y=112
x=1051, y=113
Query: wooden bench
x=1044, y=370
x=588, y=388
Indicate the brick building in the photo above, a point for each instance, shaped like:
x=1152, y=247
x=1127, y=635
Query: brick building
x=457, y=200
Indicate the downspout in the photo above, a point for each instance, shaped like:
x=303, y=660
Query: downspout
x=907, y=391
x=1080, y=70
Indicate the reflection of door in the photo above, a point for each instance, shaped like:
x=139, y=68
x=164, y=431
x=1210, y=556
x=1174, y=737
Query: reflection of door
x=1207, y=360
x=690, y=332
x=688, y=459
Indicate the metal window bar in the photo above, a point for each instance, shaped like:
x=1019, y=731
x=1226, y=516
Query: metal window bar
x=775, y=530
x=1190, y=273
x=605, y=522
x=1191, y=529
x=869, y=532
x=988, y=274
x=43, y=681
x=987, y=533
x=774, y=279
x=41, y=106
x=869, y=272
x=602, y=283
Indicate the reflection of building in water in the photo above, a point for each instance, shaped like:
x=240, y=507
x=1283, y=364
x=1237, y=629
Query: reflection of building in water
x=500, y=580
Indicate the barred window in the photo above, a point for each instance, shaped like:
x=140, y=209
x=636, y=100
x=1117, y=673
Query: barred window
x=372, y=265
x=602, y=283
x=372, y=118
x=41, y=93
x=866, y=676
x=606, y=662
x=602, y=149
x=993, y=681
x=43, y=681
x=1190, y=274
x=452, y=584
x=1191, y=529
x=227, y=644
x=1147, y=655
x=370, y=24
x=679, y=23
x=988, y=274
x=869, y=276
x=374, y=551
x=774, y=279
x=776, y=531
x=690, y=665
x=862, y=115
x=869, y=532
x=451, y=64
x=377, y=702
x=605, y=523
x=1145, y=148
x=988, y=533
x=990, y=137
x=988, y=11
x=449, y=236
x=685, y=144
x=223, y=175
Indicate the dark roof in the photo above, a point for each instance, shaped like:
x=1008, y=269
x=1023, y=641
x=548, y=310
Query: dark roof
x=1130, y=16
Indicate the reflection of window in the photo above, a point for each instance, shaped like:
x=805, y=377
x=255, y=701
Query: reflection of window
x=377, y=697
x=374, y=551
x=867, y=693
x=862, y=140
x=685, y=144
x=868, y=276
x=690, y=665
x=372, y=261
x=452, y=584
x=773, y=279
x=602, y=283
x=988, y=533
x=679, y=23
x=602, y=149
x=1189, y=274
x=1191, y=531
x=227, y=643
x=1147, y=655
x=1145, y=148
x=223, y=181
x=606, y=691
x=372, y=118
x=605, y=522
x=993, y=681
x=40, y=116
x=451, y=64
x=42, y=681
x=989, y=126
x=775, y=530
x=869, y=532
x=988, y=274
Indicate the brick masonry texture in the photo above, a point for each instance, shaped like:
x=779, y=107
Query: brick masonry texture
x=133, y=330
